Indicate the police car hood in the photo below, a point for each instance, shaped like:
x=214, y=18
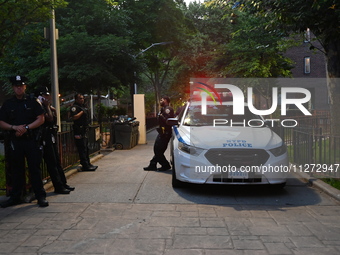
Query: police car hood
x=228, y=137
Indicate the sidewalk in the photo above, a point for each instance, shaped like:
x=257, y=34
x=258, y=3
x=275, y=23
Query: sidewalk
x=121, y=209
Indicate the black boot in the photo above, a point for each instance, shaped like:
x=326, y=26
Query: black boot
x=66, y=186
x=151, y=167
x=42, y=202
x=164, y=167
x=89, y=168
x=62, y=190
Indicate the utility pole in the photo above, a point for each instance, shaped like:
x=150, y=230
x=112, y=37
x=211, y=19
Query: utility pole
x=54, y=68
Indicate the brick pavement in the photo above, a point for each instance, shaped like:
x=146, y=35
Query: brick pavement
x=114, y=220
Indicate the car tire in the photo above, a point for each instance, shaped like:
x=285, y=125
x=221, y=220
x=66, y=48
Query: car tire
x=279, y=186
x=175, y=183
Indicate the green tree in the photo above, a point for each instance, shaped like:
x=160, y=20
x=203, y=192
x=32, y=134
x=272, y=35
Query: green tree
x=94, y=37
x=242, y=49
x=15, y=15
x=207, y=32
x=322, y=17
x=154, y=22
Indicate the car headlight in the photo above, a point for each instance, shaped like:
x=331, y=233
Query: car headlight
x=279, y=150
x=192, y=150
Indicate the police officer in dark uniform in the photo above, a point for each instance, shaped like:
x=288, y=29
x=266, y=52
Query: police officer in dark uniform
x=50, y=147
x=80, y=116
x=22, y=116
x=163, y=138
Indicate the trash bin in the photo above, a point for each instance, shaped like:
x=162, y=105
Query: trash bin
x=126, y=134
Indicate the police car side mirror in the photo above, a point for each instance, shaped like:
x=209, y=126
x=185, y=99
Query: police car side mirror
x=172, y=121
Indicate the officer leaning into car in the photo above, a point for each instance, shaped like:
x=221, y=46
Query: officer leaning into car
x=163, y=137
x=50, y=147
x=80, y=116
x=22, y=116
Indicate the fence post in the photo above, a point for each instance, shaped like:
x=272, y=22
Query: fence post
x=295, y=146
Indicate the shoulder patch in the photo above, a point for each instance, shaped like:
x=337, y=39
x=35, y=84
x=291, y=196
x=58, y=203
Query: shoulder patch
x=73, y=109
x=167, y=110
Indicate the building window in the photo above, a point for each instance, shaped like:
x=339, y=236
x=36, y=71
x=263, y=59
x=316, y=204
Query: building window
x=307, y=64
x=307, y=35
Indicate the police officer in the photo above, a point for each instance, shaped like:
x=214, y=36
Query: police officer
x=22, y=116
x=163, y=137
x=79, y=114
x=50, y=148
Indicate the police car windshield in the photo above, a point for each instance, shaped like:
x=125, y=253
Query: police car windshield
x=220, y=115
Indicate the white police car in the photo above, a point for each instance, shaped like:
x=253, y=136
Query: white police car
x=217, y=147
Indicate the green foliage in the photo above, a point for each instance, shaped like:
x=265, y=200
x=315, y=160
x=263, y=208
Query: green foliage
x=333, y=182
x=109, y=112
x=28, y=57
x=256, y=51
x=64, y=113
x=321, y=17
x=97, y=63
x=16, y=15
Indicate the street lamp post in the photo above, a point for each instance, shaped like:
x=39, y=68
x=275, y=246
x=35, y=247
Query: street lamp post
x=141, y=52
x=138, y=101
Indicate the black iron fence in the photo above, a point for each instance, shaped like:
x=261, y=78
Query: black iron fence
x=311, y=147
x=100, y=137
x=67, y=151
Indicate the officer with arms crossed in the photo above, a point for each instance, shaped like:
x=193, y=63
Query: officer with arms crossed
x=163, y=138
x=79, y=114
x=50, y=146
x=22, y=116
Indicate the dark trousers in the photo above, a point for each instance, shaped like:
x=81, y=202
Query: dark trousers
x=83, y=151
x=160, y=146
x=52, y=159
x=29, y=149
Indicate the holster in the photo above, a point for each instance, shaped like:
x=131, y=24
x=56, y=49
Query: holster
x=160, y=131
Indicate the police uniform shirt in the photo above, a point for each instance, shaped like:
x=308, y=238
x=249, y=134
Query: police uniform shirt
x=21, y=111
x=165, y=113
x=49, y=124
x=75, y=109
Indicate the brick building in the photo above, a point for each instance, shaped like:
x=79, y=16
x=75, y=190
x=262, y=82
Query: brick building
x=310, y=71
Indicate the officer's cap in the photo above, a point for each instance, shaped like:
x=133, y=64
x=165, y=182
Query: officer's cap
x=18, y=80
x=43, y=91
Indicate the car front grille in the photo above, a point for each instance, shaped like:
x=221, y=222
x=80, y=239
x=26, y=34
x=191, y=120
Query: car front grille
x=237, y=158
